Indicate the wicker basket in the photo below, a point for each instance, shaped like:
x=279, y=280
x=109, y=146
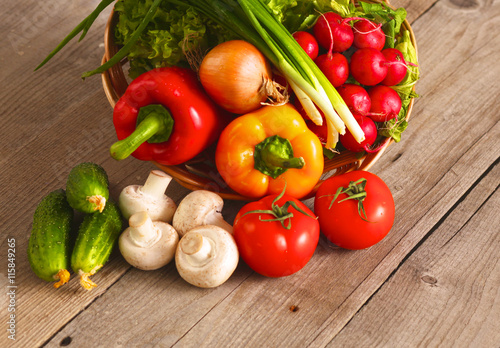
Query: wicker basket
x=200, y=172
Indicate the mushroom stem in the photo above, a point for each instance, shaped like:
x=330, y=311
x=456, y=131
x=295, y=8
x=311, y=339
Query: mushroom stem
x=197, y=248
x=142, y=230
x=156, y=184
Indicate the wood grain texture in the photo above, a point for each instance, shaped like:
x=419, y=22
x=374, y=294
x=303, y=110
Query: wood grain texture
x=447, y=293
x=54, y=121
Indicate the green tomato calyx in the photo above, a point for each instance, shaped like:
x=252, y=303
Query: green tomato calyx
x=355, y=190
x=280, y=213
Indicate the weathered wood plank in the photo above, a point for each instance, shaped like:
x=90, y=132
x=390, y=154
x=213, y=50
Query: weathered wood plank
x=52, y=121
x=249, y=309
x=35, y=100
x=336, y=283
x=447, y=293
x=413, y=8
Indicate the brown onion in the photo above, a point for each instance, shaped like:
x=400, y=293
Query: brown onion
x=237, y=76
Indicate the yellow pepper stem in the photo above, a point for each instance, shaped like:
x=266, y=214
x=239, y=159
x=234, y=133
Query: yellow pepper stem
x=274, y=156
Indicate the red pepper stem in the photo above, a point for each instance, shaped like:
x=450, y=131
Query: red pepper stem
x=153, y=124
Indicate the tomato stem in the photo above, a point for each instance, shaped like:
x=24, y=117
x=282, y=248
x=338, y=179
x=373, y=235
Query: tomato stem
x=280, y=213
x=355, y=190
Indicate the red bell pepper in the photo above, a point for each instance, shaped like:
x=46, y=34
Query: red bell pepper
x=166, y=116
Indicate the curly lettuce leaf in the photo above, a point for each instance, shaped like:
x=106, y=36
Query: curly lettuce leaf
x=171, y=32
x=394, y=128
x=404, y=44
x=295, y=15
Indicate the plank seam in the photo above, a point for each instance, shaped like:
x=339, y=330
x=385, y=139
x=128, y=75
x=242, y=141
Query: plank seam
x=83, y=309
x=472, y=216
x=431, y=231
x=210, y=310
x=427, y=10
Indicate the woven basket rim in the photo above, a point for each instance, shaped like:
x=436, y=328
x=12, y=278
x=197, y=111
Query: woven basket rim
x=188, y=175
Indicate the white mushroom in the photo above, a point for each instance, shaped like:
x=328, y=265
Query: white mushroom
x=206, y=256
x=150, y=198
x=148, y=245
x=200, y=208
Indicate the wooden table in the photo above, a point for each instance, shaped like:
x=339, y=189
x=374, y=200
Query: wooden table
x=433, y=281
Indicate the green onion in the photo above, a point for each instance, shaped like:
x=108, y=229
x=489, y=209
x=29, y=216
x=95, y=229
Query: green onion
x=122, y=53
x=253, y=21
x=83, y=27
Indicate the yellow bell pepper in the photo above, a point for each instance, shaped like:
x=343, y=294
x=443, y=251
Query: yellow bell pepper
x=261, y=152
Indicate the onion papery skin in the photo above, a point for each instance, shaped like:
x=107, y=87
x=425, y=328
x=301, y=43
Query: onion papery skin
x=234, y=74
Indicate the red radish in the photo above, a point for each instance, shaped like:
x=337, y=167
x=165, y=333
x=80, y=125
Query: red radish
x=370, y=130
x=396, y=66
x=356, y=98
x=307, y=42
x=332, y=33
x=386, y=103
x=368, y=34
x=368, y=66
x=320, y=131
x=335, y=67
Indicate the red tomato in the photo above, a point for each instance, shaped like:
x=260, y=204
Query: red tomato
x=268, y=247
x=342, y=223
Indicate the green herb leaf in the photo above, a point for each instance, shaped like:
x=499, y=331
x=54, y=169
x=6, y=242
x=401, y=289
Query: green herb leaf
x=329, y=153
x=393, y=129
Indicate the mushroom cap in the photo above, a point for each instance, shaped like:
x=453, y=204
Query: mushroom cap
x=132, y=200
x=198, y=208
x=153, y=256
x=220, y=263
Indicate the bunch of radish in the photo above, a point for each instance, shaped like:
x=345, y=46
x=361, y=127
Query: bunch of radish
x=354, y=47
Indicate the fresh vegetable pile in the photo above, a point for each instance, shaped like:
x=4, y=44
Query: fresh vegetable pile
x=349, y=71
x=276, y=235
x=272, y=89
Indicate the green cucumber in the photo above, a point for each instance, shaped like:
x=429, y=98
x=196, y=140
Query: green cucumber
x=87, y=187
x=49, y=242
x=95, y=241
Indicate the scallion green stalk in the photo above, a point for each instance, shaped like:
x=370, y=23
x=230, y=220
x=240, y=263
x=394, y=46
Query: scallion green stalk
x=325, y=88
x=122, y=53
x=253, y=21
x=83, y=27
